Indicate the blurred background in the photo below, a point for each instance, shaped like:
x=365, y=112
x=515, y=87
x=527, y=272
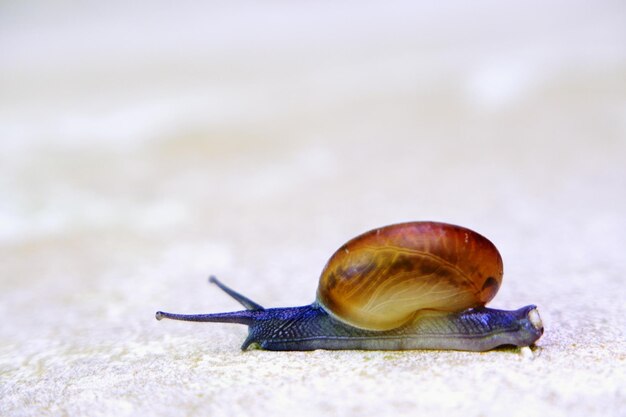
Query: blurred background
x=145, y=145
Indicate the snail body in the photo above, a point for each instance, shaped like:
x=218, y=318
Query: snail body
x=417, y=285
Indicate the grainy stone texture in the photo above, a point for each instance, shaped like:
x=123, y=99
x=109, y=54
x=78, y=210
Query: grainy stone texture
x=143, y=147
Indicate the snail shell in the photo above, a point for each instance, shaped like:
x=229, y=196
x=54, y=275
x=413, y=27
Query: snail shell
x=382, y=278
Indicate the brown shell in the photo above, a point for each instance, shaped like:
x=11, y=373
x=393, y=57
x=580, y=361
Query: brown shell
x=379, y=279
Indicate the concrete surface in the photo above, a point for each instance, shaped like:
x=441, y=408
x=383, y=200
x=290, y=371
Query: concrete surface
x=144, y=147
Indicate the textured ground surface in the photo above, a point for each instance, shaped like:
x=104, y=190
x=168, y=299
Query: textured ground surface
x=142, y=149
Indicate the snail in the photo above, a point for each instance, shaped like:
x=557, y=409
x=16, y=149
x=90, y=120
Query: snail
x=417, y=285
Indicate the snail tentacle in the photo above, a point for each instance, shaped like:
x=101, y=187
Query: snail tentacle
x=239, y=317
x=242, y=299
